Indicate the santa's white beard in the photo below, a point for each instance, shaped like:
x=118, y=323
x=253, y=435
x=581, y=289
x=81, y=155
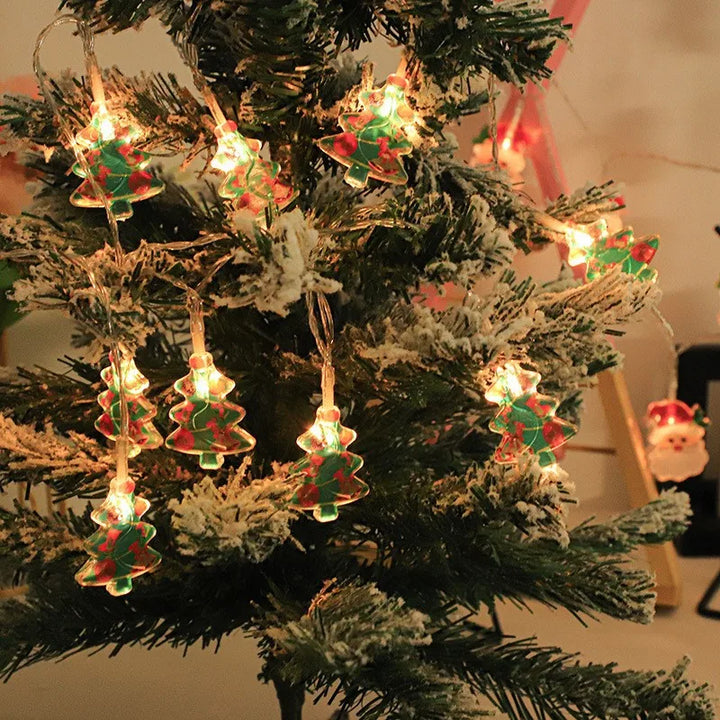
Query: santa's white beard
x=669, y=464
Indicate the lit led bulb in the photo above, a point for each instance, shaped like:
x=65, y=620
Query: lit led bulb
x=106, y=125
x=526, y=419
x=578, y=242
x=374, y=139
x=208, y=422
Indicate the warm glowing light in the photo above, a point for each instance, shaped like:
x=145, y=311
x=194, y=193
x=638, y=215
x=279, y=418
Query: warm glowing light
x=512, y=380
x=119, y=549
x=526, y=419
x=326, y=475
x=142, y=433
x=316, y=431
x=373, y=140
x=208, y=423
x=107, y=128
x=578, y=242
x=114, y=172
x=232, y=149
x=202, y=387
x=251, y=183
x=506, y=143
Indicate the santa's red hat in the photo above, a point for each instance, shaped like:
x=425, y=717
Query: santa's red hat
x=670, y=412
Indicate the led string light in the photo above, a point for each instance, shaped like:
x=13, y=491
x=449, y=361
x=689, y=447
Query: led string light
x=119, y=550
x=327, y=474
x=526, y=419
x=251, y=183
x=373, y=140
x=207, y=422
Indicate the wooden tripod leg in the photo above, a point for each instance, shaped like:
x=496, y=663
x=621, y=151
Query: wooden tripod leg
x=641, y=487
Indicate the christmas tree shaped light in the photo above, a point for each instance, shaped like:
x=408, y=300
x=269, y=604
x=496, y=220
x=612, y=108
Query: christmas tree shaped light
x=251, y=182
x=208, y=422
x=526, y=419
x=119, y=549
x=328, y=469
x=373, y=140
x=116, y=167
x=142, y=434
x=327, y=472
x=625, y=250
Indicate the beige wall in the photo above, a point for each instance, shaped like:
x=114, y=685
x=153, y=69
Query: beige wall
x=642, y=79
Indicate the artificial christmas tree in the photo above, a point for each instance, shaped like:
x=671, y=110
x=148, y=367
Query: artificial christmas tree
x=383, y=608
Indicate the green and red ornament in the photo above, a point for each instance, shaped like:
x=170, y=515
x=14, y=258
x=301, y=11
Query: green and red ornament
x=373, y=141
x=119, y=551
x=327, y=472
x=117, y=168
x=251, y=182
x=208, y=422
x=142, y=433
x=622, y=249
x=526, y=419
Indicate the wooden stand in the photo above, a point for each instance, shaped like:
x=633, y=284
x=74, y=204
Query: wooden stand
x=630, y=450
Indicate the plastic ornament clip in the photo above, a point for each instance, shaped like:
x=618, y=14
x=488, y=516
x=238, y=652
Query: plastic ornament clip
x=120, y=549
x=142, y=433
x=526, y=419
x=251, y=182
x=373, y=140
x=622, y=249
x=326, y=474
x=208, y=423
x=115, y=168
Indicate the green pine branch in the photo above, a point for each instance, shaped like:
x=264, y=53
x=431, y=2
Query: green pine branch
x=525, y=681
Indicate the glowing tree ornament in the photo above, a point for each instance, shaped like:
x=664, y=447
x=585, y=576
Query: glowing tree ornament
x=251, y=182
x=118, y=170
x=622, y=249
x=142, y=434
x=326, y=474
x=208, y=422
x=374, y=139
x=328, y=469
x=676, y=445
x=119, y=549
x=526, y=419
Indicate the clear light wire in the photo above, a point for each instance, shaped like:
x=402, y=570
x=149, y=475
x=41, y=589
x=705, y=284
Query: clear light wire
x=324, y=334
x=94, y=74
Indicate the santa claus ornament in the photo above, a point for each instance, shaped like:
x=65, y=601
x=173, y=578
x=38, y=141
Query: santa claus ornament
x=512, y=143
x=676, y=444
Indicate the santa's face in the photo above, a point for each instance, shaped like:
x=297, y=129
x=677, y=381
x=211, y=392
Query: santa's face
x=677, y=458
x=679, y=441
